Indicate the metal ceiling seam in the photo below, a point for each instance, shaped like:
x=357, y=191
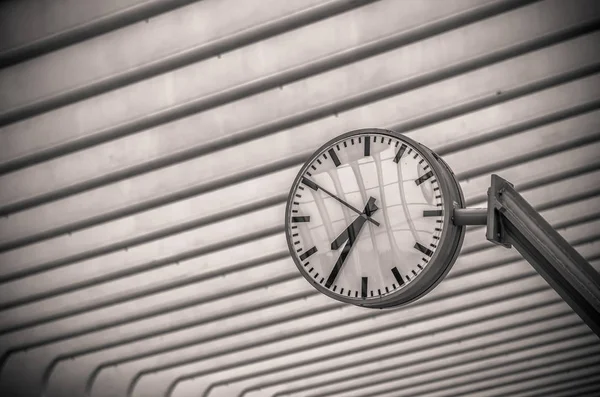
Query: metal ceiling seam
x=514, y=257
x=429, y=316
x=580, y=195
x=577, y=344
x=273, y=246
x=591, y=137
x=550, y=179
x=41, y=343
x=441, y=149
x=59, y=230
x=237, y=178
x=179, y=194
x=255, y=15
x=92, y=375
x=283, y=274
x=304, y=387
x=41, y=360
x=520, y=326
x=552, y=162
x=158, y=263
x=156, y=312
x=143, y=168
x=155, y=117
x=301, y=296
x=557, y=387
x=115, y=362
x=592, y=394
x=176, y=35
x=178, y=345
x=480, y=103
x=589, y=387
x=497, y=117
x=540, y=332
x=560, y=227
x=510, y=259
x=211, y=218
x=85, y=29
x=86, y=182
x=192, y=375
x=561, y=217
x=282, y=165
x=589, y=364
x=265, y=30
x=51, y=266
x=587, y=196
x=581, y=343
x=507, y=326
x=282, y=268
x=570, y=363
x=70, y=354
x=140, y=334
x=150, y=291
x=585, y=389
x=552, y=139
x=229, y=198
x=244, y=264
x=180, y=30
x=519, y=127
x=231, y=211
x=78, y=257
x=349, y=103
x=471, y=203
x=556, y=142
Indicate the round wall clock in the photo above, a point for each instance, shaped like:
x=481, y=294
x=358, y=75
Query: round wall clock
x=368, y=219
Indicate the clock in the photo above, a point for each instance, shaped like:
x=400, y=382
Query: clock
x=368, y=220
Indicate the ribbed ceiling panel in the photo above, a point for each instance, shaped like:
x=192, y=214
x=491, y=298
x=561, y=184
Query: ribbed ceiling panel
x=147, y=149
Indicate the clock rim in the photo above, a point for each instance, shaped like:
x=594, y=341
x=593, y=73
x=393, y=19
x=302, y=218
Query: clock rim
x=450, y=240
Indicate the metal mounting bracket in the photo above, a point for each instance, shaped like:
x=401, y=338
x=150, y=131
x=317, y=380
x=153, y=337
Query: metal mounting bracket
x=512, y=221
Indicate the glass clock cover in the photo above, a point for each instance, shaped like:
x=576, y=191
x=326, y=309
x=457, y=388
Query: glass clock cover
x=368, y=219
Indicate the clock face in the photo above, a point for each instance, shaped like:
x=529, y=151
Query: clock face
x=367, y=216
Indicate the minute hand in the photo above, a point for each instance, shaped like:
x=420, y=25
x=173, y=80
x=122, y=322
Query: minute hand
x=350, y=234
x=314, y=186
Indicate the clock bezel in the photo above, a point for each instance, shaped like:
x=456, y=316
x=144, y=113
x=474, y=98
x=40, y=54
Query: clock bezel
x=450, y=240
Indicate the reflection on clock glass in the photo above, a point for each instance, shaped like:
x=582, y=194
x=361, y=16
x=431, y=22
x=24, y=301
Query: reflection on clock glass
x=366, y=217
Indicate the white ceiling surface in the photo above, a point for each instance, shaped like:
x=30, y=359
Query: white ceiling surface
x=145, y=158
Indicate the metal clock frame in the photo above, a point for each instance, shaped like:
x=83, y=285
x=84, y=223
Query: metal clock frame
x=450, y=241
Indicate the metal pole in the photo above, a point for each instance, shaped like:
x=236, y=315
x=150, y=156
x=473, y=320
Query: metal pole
x=513, y=221
x=470, y=216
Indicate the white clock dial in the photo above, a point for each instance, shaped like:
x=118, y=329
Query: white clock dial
x=365, y=216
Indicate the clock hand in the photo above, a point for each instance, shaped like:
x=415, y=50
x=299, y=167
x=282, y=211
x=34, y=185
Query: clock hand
x=355, y=226
x=350, y=234
x=314, y=186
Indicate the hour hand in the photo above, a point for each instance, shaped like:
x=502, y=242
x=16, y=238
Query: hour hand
x=351, y=231
x=350, y=234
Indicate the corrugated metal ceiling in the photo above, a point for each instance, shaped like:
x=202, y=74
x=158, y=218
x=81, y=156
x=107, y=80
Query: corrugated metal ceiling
x=147, y=149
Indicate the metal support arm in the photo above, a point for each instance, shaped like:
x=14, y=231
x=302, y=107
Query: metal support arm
x=511, y=220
